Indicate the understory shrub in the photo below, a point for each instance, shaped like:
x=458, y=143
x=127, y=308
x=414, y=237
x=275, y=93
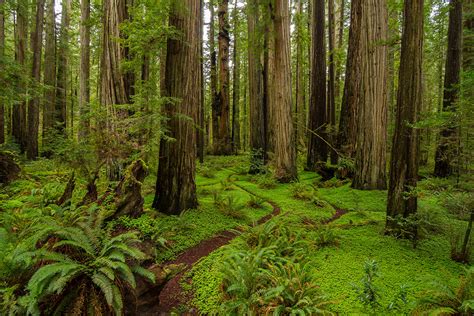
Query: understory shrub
x=441, y=299
x=267, y=273
x=301, y=191
x=73, y=268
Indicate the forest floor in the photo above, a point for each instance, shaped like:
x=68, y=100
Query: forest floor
x=232, y=202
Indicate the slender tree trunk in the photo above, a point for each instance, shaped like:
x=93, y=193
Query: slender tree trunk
x=49, y=79
x=446, y=151
x=370, y=159
x=19, y=112
x=300, y=124
x=258, y=127
x=405, y=160
x=60, y=114
x=84, y=75
x=213, y=75
x=340, y=43
x=236, y=84
x=175, y=187
x=33, y=106
x=202, y=120
x=285, y=149
x=317, y=148
x=2, y=54
x=224, y=141
x=350, y=99
x=331, y=94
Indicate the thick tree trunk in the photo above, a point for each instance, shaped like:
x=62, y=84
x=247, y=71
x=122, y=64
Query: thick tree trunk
x=175, y=186
x=60, y=113
x=19, y=111
x=282, y=122
x=447, y=147
x=404, y=164
x=350, y=99
x=370, y=159
x=2, y=53
x=84, y=74
x=317, y=125
x=115, y=84
x=258, y=127
x=33, y=105
x=49, y=79
x=223, y=146
x=340, y=43
x=331, y=93
x=236, y=84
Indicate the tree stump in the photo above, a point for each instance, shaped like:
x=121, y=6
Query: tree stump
x=128, y=197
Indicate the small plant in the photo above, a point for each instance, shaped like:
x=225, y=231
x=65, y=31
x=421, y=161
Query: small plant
x=229, y=206
x=207, y=172
x=301, y=191
x=255, y=202
x=333, y=183
x=226, y=185
x=367, y=292
x=266, y=181
x=257, y=161
x=327, y=237
x=441, y=299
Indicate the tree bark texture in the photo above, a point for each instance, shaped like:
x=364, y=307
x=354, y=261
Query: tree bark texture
x=285, y=149
x=49, y=78
x=370, y=159
x=405, y=160
x=175, y=187
x=318, y=118
x=84, y=74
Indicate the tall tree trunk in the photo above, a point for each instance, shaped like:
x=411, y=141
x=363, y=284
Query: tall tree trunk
x=223, y=145
x=405, y=160
x=175, y=187
x=202, y=121
x=49, y=79
x=258, y=127
x=350, y=99
x=33, y=106
x=19, y=112
x=115, y=84
x=213, y=75
x=60, y=113
x=446, y=151
x=370, y=159
x=340, y=43
x=285, y=149
x=331, y=96
x=269, y=74
x=84, y=74
x=2, y=54
x=317, y=125
x=300, y=123
x=236, y=84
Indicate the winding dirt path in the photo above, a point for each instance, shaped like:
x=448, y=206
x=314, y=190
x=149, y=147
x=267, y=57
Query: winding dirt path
x=172, y=295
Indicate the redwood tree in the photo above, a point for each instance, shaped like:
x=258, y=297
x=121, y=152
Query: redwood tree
x=404, y=165
x=347, y=131
x=370, y=158
x=223, y=145
x=317, y=125
x=33, y=105
x=60, y=113
x=84, y=74
x=446, y=151
x=258, y=124
x=285, y=148
x=49, y=78
x=2, y=53
x=175, y=186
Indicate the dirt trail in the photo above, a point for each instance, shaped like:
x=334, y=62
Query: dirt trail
x=172, y=294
